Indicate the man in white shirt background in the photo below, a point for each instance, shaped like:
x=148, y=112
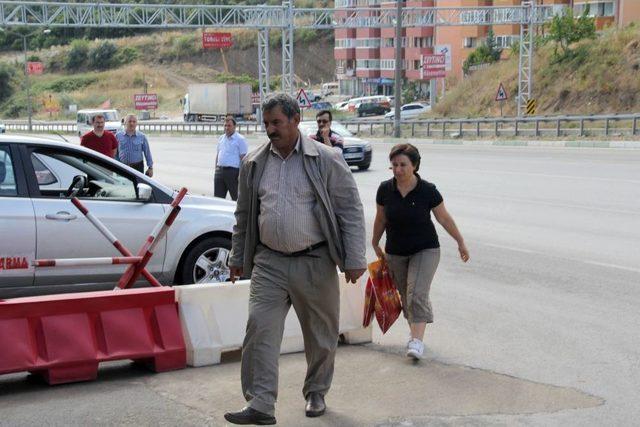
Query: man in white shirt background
x=232, y=147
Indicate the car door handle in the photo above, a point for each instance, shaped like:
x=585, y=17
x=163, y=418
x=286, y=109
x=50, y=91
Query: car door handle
x=61, y=216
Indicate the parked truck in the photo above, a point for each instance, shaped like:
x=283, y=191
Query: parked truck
x=214, y=101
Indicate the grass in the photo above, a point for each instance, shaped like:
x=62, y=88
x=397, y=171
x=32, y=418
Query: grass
x=602, y=76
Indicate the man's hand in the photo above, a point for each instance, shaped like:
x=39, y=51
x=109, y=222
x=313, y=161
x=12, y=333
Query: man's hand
x=235, y=273
x=149, y=172
x=352, y=275
x=326, y=133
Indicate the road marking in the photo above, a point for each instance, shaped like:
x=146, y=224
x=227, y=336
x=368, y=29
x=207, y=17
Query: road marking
x=584, y=261
x=511, y=248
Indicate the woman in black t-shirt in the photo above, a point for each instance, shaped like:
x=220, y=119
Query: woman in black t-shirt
x=412, y=251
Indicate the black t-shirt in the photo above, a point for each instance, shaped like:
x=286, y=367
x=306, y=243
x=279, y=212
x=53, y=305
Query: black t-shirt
x=409, y=227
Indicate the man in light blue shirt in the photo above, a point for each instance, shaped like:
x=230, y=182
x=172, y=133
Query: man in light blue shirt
x=133, y=146
x=232, y=147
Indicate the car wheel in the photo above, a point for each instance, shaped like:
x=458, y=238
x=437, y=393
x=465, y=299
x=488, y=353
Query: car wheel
x=364, y=167
x=207, y=261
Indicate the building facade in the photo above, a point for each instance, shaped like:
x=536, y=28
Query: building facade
x=365, y=57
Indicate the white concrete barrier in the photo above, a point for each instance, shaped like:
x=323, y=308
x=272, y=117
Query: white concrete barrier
x=214, y=317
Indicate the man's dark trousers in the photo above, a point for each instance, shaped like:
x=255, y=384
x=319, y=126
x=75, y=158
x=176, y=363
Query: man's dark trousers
x=226, y=179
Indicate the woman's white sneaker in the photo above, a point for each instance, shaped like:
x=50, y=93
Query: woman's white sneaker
x=415, y=349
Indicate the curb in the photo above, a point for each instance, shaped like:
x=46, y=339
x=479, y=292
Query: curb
x=522, y=143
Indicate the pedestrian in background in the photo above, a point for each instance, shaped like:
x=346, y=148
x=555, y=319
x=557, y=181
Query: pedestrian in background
x=99, y=139
x=232, y=147
x=133, y=146
x=324, y=134
x=412, y=251
x=298, y=216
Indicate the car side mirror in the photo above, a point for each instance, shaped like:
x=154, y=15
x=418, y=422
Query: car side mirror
x=144, y=192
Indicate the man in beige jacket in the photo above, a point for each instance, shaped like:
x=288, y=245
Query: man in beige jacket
x=298, y=216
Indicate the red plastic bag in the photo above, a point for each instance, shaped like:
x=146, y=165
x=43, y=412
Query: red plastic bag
x=381, y=297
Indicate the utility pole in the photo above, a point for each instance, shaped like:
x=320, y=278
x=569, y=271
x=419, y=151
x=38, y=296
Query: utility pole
x=397, y=132
x=26, y=69
x=26, y=81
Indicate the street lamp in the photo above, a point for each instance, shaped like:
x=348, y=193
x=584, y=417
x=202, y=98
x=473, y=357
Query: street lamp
x=26, y=68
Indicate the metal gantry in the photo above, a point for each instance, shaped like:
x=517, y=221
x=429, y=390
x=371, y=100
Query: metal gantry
x=525, y=61
x=284, y=18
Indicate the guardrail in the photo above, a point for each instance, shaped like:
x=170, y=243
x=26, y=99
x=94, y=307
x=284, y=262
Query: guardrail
x=144, y=126
x=538, y=126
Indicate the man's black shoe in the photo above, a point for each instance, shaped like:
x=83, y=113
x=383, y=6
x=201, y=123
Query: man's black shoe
x=249, y=415
x=315, y=405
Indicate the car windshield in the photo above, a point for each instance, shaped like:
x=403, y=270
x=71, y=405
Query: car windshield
x=111, y=116
x=310, y=128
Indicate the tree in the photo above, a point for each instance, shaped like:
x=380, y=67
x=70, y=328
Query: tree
x=6, y=77
x=486, y=53
x=103, y=56
x=565, y=30
x=77, y=55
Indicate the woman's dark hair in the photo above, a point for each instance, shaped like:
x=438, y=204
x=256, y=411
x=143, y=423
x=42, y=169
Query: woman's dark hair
x=408, y=150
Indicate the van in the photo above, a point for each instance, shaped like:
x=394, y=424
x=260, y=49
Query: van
x=383, y=100
x=84, y=117
x=330, y=88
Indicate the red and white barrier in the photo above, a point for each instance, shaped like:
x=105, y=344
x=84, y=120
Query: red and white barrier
x=132, y=272
x=111, y=238
x=78, y=262
x=65, y=337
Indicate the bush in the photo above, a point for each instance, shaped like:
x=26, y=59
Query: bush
x=102, y=56
x=184, y=46
x=77, y=57
x=305, y=35
x=68, y=84
x=126, y=55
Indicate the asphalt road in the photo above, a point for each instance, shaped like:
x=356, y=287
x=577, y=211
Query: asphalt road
x=539, y=328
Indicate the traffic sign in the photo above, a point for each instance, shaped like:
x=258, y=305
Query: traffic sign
x=502, y=93
x=531, y=107
x=303, y=99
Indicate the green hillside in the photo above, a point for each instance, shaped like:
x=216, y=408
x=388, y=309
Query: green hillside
x=88, y=73
x=600, y=76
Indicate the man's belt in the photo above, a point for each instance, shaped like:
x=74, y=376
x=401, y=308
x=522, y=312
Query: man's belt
x=298, y=253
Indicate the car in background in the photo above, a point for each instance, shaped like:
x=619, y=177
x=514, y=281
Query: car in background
x=372, y=109
x=38, y=221
x=356, y=152
x=330, y=88
x=354, y=103
x=84, y=120
x=322, y=105
x=342, y=106
x=409, y=111
x=3, y=128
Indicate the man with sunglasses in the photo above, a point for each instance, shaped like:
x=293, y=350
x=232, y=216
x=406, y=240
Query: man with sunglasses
x=324, y=134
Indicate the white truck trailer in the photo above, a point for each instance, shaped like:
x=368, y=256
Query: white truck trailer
x=214, y=101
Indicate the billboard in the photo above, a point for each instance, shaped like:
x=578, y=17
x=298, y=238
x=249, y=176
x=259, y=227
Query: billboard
x=35, y=68
x=146, y=101
x=433, y=66
x=216, y=40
